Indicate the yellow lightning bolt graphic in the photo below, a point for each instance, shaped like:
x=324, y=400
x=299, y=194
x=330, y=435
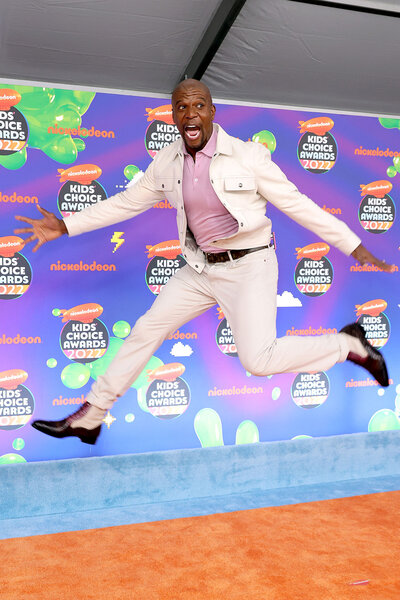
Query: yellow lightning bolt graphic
x=117, y=240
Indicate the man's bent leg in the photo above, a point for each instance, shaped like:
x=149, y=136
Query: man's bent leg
x=247, y=295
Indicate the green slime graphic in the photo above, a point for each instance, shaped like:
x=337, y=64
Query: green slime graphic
x=389, y=123
x=51, y=363
x=11, y=459
x=267, y=138
x=276, y=392
x=396, y=163
x=121, y=329
x=44, y=108
x=247, y=433
x=75, y=376
x=301, y=437
x=391, y=171
x=130, y=171
x=18, y=444
x=208, y=428
x=384, y=420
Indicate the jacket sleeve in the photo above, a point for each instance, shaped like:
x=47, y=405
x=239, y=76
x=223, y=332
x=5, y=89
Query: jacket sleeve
x=274, y=186
x=124, y=205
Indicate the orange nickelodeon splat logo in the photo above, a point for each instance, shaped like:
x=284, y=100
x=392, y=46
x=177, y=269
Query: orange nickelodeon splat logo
x=168, y=372
x=84, y=174
x=11, y=379
x=10, y=245
x=220, y=313
x=85, y=313
x=372, y=308
x=169, y=249
x=379, y=189
x=8, y=98
x=161, y=113
x=318, y=125
x=314, y=251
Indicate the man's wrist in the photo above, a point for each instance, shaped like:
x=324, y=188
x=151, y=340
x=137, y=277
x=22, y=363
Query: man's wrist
x=63, y=227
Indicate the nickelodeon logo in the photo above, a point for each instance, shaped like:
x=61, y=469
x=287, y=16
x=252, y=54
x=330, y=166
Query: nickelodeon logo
x=81, y=266
x=182, y=336
x=60, y=401
x=17, y=198
x=83, y=132
x=163, y=204
x=19, y=339
x=332, y=211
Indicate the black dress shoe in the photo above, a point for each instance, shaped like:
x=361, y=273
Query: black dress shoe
x=62, y=429
x=374, y=361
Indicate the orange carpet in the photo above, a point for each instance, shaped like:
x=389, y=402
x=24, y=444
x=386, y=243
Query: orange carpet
x=331, y=550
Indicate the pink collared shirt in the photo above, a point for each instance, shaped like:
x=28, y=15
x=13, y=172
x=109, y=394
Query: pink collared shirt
x=207, y=218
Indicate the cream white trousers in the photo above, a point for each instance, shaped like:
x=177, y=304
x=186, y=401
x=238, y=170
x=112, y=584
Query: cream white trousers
x=246, y=291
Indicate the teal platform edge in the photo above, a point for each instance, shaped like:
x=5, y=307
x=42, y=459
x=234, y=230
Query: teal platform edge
x=32, y=490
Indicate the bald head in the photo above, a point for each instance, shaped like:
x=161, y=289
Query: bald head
x=187, y=84
x=193, y=113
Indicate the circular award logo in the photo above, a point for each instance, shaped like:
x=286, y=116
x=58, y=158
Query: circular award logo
x=377, y=329
x=74, y=197
x=158, y=135
x=310, y=390
x=168, y=399
x=313, y=277
x=317, y=153
x=160, y=270
x=16, y=407
x=15, y=276
x=377, y=215
x=14, y=131
x=84, y=342
x=224, y=339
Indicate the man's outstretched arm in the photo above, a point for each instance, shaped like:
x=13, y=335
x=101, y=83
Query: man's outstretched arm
x=46, y=229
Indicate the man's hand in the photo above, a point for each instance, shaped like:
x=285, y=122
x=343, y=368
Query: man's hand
x=363, y=256
x=43, y=230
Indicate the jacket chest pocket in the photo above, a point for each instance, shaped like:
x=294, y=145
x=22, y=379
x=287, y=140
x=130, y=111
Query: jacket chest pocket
x=165, y=184
x=239, y=184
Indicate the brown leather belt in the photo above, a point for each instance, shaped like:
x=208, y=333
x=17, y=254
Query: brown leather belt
x=218, y=257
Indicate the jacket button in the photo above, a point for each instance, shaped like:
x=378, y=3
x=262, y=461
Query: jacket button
x=240, y=184
x=179, y=180
x=241, y=224
x=162, y=185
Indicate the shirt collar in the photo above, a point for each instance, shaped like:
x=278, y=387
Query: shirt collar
x=209, y=148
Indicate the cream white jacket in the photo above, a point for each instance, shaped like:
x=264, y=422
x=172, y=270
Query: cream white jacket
x=244, y=178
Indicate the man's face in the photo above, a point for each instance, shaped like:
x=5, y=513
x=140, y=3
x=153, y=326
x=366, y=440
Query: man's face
x=193, y=113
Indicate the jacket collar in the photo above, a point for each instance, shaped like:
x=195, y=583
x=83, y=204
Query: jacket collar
x=224, y=143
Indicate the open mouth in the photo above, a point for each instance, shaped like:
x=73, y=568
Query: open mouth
x=192, y=132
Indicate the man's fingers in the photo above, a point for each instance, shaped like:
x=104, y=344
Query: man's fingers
x=37, y=245
x=30, y=239
x=24, y=219
x=42, y=211
x=24, y=230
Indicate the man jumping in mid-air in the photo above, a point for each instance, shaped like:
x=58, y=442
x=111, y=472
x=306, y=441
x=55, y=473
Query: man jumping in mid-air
x=219, y=186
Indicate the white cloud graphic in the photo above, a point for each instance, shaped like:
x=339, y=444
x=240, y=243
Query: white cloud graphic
x=180, y=349
x=287, y=299
x=135, y=178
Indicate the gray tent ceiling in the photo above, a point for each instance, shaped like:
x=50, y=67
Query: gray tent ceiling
x=290, y=52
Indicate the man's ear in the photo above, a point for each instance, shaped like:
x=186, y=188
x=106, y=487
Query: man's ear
x=213, y=110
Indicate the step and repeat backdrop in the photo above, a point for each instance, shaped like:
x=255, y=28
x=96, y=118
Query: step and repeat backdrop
x=66, y=309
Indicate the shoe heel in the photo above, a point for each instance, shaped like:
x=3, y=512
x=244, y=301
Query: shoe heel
x=89, y=436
